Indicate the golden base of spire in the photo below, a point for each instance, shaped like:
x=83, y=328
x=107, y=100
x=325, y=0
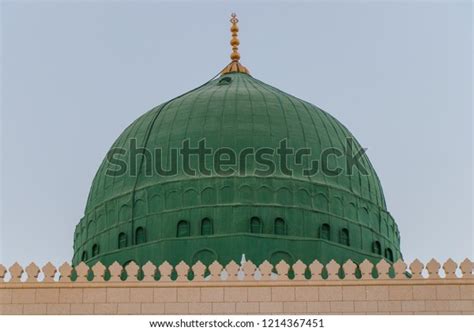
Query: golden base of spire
x=235, y=66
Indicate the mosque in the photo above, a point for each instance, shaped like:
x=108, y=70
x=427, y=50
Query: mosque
x=237, y=198
x=279, y=215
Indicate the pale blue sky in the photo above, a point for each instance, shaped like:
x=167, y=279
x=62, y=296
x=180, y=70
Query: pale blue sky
x=75, y=74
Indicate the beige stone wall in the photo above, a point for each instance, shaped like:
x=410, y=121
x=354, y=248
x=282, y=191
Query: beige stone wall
x=276, y=297
x=245, y=289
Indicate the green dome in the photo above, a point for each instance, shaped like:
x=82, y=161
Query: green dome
x=143, y=216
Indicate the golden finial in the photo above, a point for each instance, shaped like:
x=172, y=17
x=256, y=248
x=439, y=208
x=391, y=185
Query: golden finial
x=234, y=42
x=235, y=65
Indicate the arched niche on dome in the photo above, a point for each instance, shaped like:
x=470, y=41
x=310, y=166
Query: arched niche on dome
x=172, y=200
x=140, y=235
x=344, y=238
x=95, y=250
x=377, y=247
x=111, y=214
x=190, y=197
x=183, y=229
x=122, y=240
x=284, y=197
x=321, y=202
x=100, y=222
x=265, y=194
x=256, y=225
x=207, y=227
x=335, y=206
x=246, y=193
x=364, y=215
x=325, y=231
x=279, y=227
x=351, y=211
x=91, y=229
x=226, y=194
x=139, y=208
x=303, y=197
x=208, y=196
x=156, y=203
x=374, y=220
x=389, y=254
x=124, y=213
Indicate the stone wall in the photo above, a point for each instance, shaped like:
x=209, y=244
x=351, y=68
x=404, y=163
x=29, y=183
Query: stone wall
x=245, y=289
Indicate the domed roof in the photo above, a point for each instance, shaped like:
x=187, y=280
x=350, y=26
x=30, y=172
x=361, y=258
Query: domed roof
x=142, y=214
x=236, y=111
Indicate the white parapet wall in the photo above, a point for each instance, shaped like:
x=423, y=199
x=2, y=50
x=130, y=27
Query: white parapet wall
x=240, y=289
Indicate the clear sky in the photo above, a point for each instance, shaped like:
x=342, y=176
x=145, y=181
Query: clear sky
x=75, y=74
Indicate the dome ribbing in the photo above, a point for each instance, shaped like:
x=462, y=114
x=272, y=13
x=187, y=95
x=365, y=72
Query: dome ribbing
x=207, y=217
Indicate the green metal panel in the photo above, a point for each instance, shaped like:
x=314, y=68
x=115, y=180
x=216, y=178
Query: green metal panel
x=319, y=217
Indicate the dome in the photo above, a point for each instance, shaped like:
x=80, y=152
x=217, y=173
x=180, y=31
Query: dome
x=270, y=214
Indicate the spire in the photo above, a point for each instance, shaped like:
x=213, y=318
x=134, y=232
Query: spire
x=235, y=65
x=234, y=42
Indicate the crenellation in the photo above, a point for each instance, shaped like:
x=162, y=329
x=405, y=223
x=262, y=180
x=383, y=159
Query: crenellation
x=383, y=269
x=299, y=269
x=400, y=268
x=16, y=271
x=115, y=270
x=82, y=271
x=236, y=289
x=149, y=270
x=467, y=267
x=349, y=268
x=450, y=268
x=165, y=270
x=32, y=272
x=232, y=269
x=131, y=270
x=416, y=268
x=65, y=271
x=99, y=272
x=49, y=271
x=182, y=269
x=433, y=268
